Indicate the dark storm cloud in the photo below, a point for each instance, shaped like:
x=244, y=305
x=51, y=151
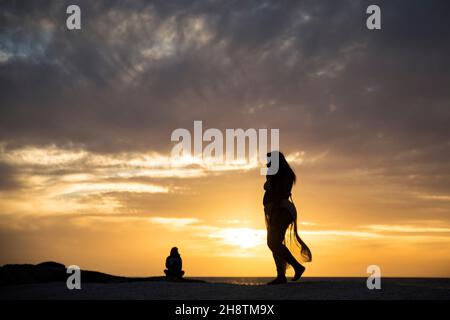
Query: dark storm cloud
x=138, y=70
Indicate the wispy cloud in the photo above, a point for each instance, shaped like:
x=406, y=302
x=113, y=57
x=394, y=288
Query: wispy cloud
x=406, y=228
x=434, y=197
x=174, y=223
x=124, y=165
x=98, y=188
x=342, y=233
x=50, y=173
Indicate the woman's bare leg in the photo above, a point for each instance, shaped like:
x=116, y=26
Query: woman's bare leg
x=280, y=264
x=275, y=237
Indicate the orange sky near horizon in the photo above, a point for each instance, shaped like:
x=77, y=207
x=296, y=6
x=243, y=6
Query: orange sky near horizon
x=100, y=221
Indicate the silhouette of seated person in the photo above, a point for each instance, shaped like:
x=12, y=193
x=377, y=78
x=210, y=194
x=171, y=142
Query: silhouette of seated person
x=174, y=264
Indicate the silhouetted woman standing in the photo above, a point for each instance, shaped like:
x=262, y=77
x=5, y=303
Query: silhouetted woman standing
x=281, y=214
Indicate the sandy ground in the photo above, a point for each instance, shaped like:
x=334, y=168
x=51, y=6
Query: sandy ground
x=306, y=289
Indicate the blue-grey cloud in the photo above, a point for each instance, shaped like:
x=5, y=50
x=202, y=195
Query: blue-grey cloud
x=139, y=69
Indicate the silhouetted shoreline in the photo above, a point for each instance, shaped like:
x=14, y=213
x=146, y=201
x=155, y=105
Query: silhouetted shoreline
x=17, y=274
x=47, y=281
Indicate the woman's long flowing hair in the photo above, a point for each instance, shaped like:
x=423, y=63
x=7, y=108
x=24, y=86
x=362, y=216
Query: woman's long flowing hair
x=285, y=173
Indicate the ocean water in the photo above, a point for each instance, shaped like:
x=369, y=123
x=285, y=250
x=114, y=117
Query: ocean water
x=344, y=282
x=255, y=281
x=258, y=281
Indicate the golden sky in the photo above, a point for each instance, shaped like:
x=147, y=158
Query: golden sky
x=86, y=118
x=109, y=217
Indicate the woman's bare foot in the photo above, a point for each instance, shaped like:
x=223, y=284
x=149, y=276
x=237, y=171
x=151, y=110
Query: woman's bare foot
x=298, y=272
x=278, y=280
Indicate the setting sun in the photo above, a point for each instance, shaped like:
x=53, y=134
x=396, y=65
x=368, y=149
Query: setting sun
x=242, y=237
